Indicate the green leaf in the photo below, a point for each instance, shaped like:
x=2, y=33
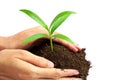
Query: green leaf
x=34, y=37
x=59, y=19
x=35, y=17
x=61, y=36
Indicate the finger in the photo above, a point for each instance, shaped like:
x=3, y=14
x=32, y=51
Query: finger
x=26, y=71
x=62, y=79
x=5, y=78
x=34, y=72
x=56, y=73
x=17, y=39
x=67, y=44
x=44, y=79
x=36, y=60
x=69, y=79
x=77, y=46
x=31, y=58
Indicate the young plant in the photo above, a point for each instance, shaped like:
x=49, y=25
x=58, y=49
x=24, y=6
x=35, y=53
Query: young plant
x=57, y=21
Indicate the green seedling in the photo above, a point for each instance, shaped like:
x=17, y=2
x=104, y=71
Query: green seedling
x=57, y=21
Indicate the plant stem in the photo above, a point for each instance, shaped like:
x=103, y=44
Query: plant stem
x=51, y=43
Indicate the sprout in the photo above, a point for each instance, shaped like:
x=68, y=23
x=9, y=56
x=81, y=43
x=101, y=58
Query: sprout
x=57, y=21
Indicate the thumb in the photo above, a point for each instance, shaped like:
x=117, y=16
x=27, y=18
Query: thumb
x=33, y=59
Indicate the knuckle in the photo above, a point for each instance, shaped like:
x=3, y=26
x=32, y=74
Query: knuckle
x=28, y=75
x=68, y=79
x=57, y=73
x=41, y=58
x=22, y=52
x=33, y=73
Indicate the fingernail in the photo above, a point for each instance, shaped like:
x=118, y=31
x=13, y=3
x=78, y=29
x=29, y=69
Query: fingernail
x=76, y=44
x=50, y=64
x=78, y=79
x=76, y=72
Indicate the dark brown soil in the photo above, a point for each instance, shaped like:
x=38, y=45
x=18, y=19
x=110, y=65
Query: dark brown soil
x=63, y=58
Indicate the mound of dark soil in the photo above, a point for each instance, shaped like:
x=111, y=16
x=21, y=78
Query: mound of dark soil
x=63, y=58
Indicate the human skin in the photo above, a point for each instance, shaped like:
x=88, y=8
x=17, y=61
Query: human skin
x=15, y=41
x=19, y=64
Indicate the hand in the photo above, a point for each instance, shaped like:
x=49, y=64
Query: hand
x=16, y=40
x=17, y=64
x=3, y=42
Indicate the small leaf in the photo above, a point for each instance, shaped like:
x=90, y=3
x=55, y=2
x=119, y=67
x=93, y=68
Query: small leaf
x=35, y=17
x=59, y=19
x=34, y=37
x=61, y=36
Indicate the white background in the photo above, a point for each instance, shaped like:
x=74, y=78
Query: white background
x=94, y=27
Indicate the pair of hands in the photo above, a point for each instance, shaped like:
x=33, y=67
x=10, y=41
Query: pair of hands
x=18, y=64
